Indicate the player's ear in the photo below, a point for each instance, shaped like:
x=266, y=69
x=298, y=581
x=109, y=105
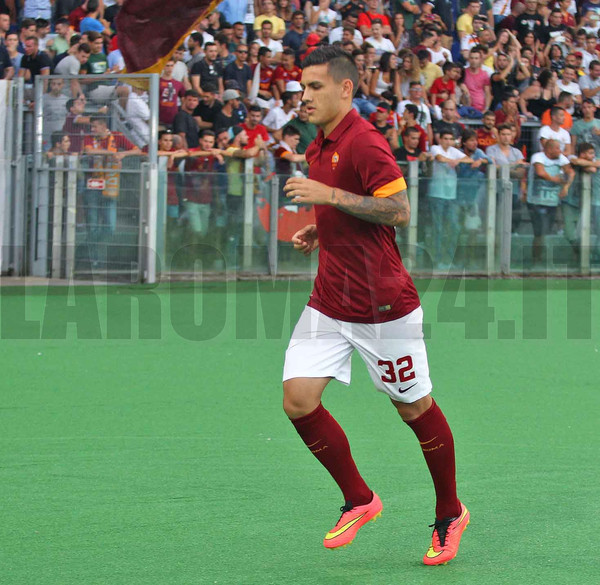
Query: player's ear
x=347, y=88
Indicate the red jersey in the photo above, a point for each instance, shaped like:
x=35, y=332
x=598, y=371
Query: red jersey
x=266, y=77
x=76, y=16
x=199, y=184
x=281, y=73
x=259, y=130
x=168, y=91
x=485, y=138
x=366, y=18
x=361, y=277
x=439, y=86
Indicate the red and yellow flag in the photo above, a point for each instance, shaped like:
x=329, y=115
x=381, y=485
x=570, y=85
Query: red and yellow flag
x=151, y=30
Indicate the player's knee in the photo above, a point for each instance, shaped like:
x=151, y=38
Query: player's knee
x=413, y=410
x=295, y=402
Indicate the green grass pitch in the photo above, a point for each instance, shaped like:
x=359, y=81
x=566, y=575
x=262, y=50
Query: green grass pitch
x=154, y=451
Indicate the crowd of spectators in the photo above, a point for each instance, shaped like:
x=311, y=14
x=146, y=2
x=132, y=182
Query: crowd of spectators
x=455, y=85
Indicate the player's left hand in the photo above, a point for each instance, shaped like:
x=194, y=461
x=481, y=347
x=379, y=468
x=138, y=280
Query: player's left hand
x=303, y=190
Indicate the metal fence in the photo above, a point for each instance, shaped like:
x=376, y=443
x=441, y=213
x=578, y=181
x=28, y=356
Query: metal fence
x=79, y=214
x=94, y=178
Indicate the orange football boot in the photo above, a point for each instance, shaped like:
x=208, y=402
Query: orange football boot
x=446, y=538
x=352, y=518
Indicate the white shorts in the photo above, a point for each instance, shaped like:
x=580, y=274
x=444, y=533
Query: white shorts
x=394, y=352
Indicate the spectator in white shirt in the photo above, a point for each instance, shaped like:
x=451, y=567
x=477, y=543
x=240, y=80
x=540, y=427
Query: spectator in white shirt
x=279, y=116
x=377, y=40
x=569, y=84
x=264, y=40
x=555, y=132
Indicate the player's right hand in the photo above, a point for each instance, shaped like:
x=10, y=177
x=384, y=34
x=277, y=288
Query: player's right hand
x=305, y=240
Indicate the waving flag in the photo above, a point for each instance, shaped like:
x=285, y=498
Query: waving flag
x=150, y=30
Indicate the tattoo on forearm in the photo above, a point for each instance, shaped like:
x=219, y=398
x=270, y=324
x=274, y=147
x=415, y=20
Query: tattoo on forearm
x=393, y=210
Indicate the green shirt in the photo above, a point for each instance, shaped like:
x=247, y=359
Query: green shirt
x=583, y=131
x=97, y=64
x=308, y=132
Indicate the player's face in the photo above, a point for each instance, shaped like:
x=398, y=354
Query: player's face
x=322, y=94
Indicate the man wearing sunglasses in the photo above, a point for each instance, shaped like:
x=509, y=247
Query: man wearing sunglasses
x=239, y=71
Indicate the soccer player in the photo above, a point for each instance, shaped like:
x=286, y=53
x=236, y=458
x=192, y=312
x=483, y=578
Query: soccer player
x=363, y=299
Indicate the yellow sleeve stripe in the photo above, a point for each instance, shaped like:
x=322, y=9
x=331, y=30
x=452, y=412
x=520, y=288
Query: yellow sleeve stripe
x=391, y=188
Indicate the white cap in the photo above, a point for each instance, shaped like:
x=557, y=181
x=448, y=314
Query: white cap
x=293, y=86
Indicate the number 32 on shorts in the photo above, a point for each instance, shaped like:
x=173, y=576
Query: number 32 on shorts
x=405, y=370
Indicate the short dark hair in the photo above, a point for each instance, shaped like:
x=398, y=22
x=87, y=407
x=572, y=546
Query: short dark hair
x=263, y=51
x=266, y=22
x=412, y=109
x=99, y=118
x=594, y=63
x=92, y=5
x=555, y=110
x=501, y=127
x=588, y=101
x=210, y=44
x=339, y=64
x=564, y=95
x=584, y=147
x=207, y=132
x=26, y=23
x=191, y=93
x=412, y=130
x=221, y=38
x=286, y=96
x=288, y=51
x=468, y=133
x=56, y=137
x=290, y=131
x=488, y=113
x=254, y=108
x=197, y=38
x=297, y=12
x=449, y=65
x=423, y=54
x=41, y=23
x=84, y=48
x=447, y=132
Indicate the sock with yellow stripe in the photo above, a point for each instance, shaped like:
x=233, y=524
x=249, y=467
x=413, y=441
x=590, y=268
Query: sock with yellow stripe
x=437, y=443
x=328, y=443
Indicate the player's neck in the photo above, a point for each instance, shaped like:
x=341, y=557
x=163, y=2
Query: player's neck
x=329, y=127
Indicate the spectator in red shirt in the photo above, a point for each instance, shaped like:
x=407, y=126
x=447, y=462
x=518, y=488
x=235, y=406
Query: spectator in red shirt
x=106, y=150
x=285, y=72
x=265, y=76
x=509, y=113
x=409, y=120
x=366, y=18
x=253, y=126
x=77, y=15
x=445, y=83
x=198, y=190
x=169, y=90
x=487, y=134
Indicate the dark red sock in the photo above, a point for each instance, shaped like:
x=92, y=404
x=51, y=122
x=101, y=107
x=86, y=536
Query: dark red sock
x=328, y=443
x=435, y=438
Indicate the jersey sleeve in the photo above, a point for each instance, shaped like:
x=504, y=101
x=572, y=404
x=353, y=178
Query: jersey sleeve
x=376, y=166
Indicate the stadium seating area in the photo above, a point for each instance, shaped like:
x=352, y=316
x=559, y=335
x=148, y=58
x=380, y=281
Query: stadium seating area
x=442, y=81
